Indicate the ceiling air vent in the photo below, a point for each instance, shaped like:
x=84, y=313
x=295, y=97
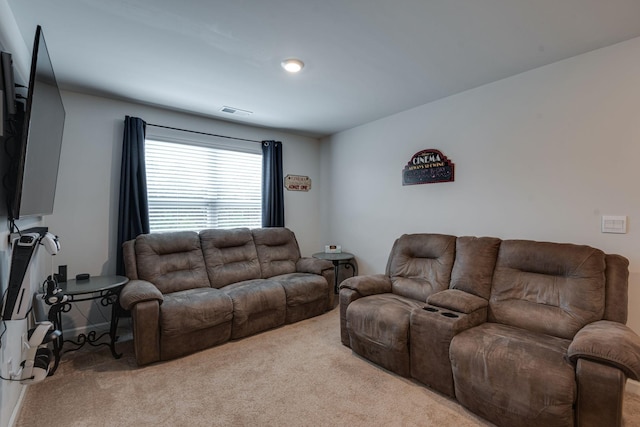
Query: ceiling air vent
x=235, y=111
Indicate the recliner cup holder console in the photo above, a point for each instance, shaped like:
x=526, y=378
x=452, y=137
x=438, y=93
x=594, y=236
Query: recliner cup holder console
x=451, y=315
x=444, y=313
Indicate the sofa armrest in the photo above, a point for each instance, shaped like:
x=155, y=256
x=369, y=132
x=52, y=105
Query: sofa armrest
x=313, y=265
x=137, y=291
x=368, y=285
x=457, y=300
x=608, y=342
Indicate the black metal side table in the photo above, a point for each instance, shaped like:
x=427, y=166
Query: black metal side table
x=338, y=259
x=107, y=290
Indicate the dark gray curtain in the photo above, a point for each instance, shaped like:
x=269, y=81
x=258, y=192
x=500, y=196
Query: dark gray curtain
x=272, y=185
x=133, y=215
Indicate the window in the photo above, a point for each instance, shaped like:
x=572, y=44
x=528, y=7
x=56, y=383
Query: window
x=193, y=186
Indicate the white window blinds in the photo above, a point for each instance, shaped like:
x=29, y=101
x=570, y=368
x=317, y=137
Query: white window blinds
x=194, y=187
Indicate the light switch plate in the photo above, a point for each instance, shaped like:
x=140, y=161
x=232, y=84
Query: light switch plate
x=614, y=224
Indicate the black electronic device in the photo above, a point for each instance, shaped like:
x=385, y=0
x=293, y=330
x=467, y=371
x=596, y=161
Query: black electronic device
x=35, y=156
x=52, y=292
x=82, y=276
x=7, y=83
x=38, y=359
x=61, y=277
x=7, y=97
x=17, y=300
x=3, y=109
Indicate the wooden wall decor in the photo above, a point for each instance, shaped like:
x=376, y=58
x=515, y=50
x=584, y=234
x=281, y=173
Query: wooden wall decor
x=428, y=167
x=297, y=183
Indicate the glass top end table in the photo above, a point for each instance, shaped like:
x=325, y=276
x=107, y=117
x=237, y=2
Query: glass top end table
x=338, y=259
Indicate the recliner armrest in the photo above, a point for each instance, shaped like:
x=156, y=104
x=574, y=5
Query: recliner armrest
x=368, y=285
x=608, y=342
x=137, y=291
x=457, y=300
x=313, y=265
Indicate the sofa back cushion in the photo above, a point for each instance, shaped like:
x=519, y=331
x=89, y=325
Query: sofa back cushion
x=550, y=288
x=474, y=265
x=420, y=264
x=171, y=261
x=277, y=249
x=230, y=256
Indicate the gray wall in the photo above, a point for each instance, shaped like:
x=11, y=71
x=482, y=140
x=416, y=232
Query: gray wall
x=542, y=155
x=86, y=207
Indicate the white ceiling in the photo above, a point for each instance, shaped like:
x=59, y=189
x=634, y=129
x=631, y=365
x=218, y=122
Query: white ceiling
x=365, y=59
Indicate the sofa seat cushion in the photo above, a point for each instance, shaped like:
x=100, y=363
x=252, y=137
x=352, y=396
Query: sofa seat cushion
x=194, y=309
x=302, y=288
x=378, y=327
x=514, y=377
x=307, y=295
x=258, y=305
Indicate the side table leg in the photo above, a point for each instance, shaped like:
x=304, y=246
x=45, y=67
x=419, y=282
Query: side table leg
x=114, y=328
x=353, y=267
x=336, y=271
x=55, y=317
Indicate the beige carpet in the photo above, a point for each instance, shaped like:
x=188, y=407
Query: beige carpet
x=297, y=375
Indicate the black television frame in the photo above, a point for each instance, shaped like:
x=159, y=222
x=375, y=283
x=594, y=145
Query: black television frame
x=8, y=98
x=19, y=166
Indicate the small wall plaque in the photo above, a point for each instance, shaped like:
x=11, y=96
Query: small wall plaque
x=427, y=167
x=297, y=183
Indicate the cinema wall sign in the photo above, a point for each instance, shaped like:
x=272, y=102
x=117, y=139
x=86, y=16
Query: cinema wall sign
x=427, y=167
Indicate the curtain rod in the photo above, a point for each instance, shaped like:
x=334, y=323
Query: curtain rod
x=204, y=133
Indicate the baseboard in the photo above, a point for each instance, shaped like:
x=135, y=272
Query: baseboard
x=633, y=387
x=18, y=407
x=73, y=334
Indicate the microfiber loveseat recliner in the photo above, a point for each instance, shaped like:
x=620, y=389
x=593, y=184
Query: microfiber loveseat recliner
x=189, y=291
x=522, y=333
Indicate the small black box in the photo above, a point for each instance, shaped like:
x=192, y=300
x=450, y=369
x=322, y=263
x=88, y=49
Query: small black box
x=61, y=277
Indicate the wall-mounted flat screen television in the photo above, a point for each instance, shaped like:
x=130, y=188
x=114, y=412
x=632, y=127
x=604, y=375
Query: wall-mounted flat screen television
x=34, y=166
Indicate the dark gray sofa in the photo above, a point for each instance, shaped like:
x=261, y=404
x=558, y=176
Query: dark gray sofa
x=189, y=291
x=522, y=333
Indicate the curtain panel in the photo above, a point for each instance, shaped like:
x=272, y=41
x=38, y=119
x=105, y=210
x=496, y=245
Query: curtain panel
x=272, y=185
x=133, y=214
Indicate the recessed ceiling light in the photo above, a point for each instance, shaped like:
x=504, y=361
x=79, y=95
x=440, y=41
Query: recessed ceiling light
x=292, y=65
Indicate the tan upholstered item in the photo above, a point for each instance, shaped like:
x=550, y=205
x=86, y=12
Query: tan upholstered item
x=522, y=333
x=190, y=291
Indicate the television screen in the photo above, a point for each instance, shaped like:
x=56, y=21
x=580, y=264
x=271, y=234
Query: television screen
x=38, y=155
